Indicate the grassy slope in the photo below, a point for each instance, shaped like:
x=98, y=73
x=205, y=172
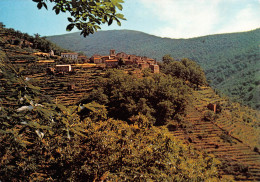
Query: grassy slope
x=223, y=57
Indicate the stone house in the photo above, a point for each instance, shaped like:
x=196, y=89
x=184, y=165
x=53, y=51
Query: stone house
x=128, y=62
x=51, y=53
x=112, y=53
x=111, y=63
x=143, y=66
x=71, y=55
x=83, y=59
x=155, y=68
x=122, y=55
x=151, y=61
x=104, y=58
x=97, y=59
x=63, y=68
x=112, y=60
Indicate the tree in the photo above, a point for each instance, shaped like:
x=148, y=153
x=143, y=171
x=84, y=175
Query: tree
x=87, y=15
x=185, y=69
x=167, y=59
x=2, y=25
x=121, y=62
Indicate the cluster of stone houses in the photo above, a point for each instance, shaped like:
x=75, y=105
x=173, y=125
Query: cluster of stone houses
x=113, y=60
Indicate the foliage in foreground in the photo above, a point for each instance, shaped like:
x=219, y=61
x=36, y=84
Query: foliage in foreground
x=87, y=16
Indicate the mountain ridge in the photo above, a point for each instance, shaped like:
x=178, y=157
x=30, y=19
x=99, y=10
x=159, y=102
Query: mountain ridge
x=132, y=30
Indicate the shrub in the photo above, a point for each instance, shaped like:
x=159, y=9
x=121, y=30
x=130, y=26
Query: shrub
x=209, y=116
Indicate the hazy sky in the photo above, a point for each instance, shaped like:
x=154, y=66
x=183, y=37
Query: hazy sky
x=165, y=18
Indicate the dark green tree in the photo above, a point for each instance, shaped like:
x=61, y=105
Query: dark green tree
x=167, y=59
x=2, y=25
x=185, y=69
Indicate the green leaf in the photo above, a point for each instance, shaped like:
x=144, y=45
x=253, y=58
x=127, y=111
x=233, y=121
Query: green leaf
x=118, y=22
x=70, y=19
x=45, y=5
x=92, y=3
x=57, y=11
x=70, y=27
x=119, y=6
x=110, y=21
x=78, y=25
x=39, y=5
x=120, y=16
x=105, y=18
x=96, y=27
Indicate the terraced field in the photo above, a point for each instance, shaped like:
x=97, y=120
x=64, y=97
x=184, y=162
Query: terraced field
x=66, y=89
x=238, y=159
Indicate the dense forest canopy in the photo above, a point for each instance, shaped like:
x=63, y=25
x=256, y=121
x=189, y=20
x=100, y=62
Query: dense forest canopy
x=158, y=97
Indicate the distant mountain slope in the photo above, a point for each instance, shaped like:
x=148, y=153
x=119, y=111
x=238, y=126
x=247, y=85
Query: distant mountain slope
x=224, y=57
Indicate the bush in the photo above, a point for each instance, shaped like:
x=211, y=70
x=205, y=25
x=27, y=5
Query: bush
x=172, y=127
x=227, y=138
x=209, y=116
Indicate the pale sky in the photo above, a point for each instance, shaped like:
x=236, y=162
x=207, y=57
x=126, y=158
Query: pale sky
x=164, y=18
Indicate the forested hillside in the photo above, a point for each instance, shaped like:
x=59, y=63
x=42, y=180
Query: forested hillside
x=231, y=61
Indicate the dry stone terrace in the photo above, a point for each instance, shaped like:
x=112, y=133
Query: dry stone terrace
x=239, y=160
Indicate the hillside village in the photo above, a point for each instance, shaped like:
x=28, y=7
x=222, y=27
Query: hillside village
x=62, y=61
x=112, y=60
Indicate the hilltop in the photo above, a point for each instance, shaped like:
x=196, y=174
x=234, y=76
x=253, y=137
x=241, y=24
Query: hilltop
x=230, y=60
